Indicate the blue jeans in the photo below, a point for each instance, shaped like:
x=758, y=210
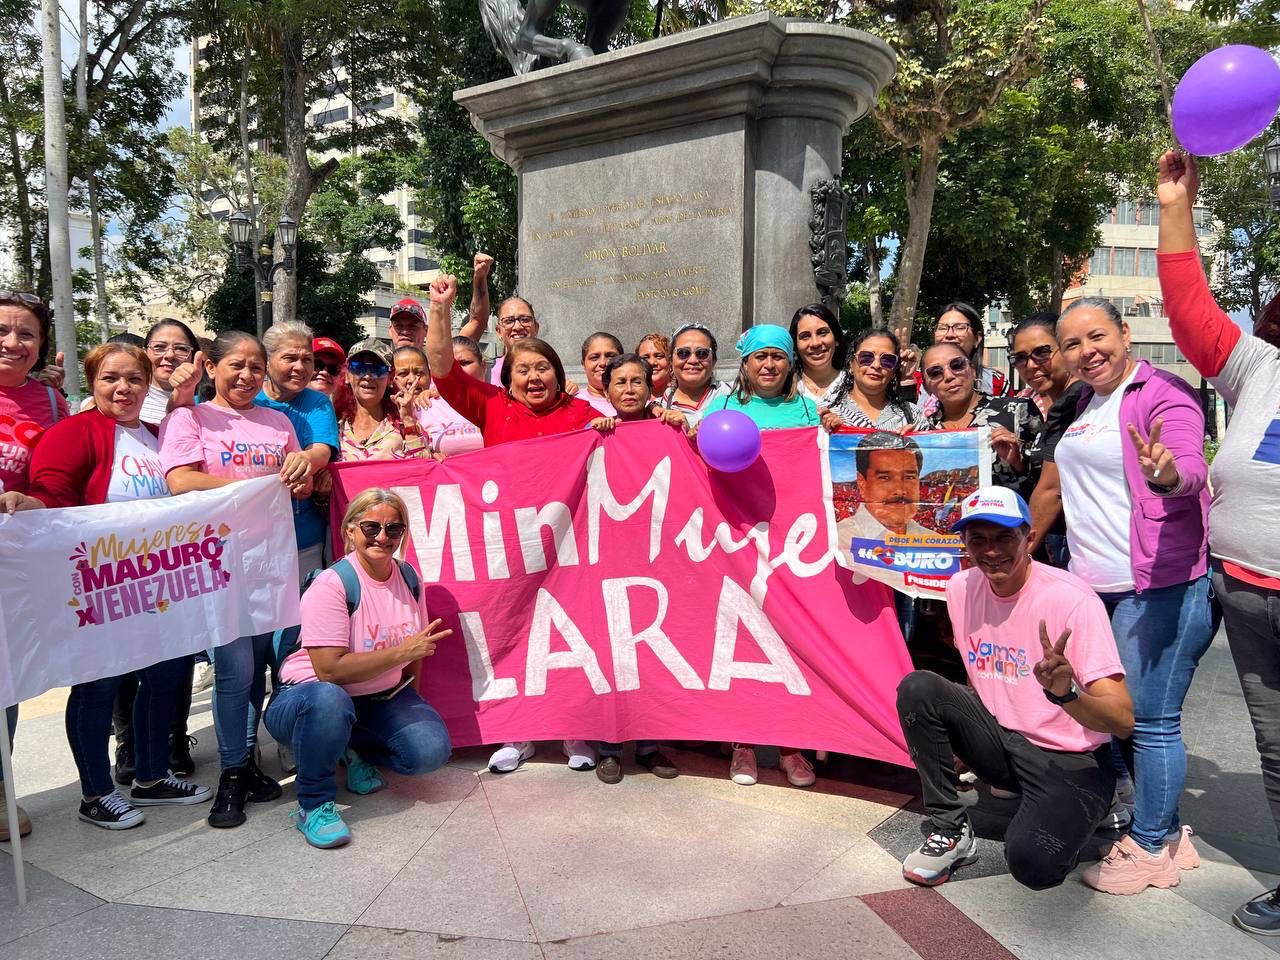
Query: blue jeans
x=239, y=687
x=88, y=720
x=11, y=721
x=1161, y=635
x=320, y=720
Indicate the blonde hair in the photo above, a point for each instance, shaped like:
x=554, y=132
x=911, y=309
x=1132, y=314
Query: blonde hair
x=373, y=497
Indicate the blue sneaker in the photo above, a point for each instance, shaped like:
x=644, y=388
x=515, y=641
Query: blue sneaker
x=323, y=826
x=1261, y=915
x=363, y=777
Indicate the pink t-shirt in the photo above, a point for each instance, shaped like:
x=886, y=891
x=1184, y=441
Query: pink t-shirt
x=495, y=372
x=999, y=641
x=447, y=430
x=25, y=413
x=386, y=615
x=602, y=404
x=239, y=444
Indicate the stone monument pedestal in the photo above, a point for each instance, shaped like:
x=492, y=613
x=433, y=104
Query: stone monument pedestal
x=670, y=181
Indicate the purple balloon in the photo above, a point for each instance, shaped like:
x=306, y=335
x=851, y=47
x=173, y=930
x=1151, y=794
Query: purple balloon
x=728, y=440
x=1227, y=98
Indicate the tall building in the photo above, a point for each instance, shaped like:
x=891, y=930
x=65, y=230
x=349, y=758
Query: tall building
x=403, y=272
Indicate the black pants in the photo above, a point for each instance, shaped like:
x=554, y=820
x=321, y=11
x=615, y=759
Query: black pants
x=1064, y=795
x=122, y=715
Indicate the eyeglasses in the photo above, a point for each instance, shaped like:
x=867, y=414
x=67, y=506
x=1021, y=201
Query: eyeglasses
x=866, y=358
x=520, y=321
x=364, y=368
x=952, y=328
x=371, y=528
x=956, y=365
x=332, y=369
x=180, y=350
x=684, y=353
x=1040, y=354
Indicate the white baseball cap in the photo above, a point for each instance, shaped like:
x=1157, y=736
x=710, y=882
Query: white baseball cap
x=995, y=505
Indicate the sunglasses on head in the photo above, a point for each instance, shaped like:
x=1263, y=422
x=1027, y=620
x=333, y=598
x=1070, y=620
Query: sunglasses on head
x=29, y=300
x=1040, y=354
x=955, y=365
x=332, y=369
x=371, y=528
x=684, y=353
x=366, y=368
x=866, y=358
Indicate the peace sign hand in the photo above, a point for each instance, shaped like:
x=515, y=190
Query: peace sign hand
x=908, y=356
x=1054, y=671
x=1154, y=457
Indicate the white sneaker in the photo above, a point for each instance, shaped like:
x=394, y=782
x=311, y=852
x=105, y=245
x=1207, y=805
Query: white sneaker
x=202, y=680
x=582, y=755
x=509, y=756
x=796, y=767
x=742, y=769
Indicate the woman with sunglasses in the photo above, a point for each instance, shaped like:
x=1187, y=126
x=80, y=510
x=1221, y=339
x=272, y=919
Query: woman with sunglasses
x=330, y=364
x=1015, y=423
x=348, y=694
x=530, y=403
x=376, y=422
x=1055, y=391
x=204, y=447
x=1134, y=491
x=29, y=408
x=108, y=454
x=693, y=362
x=655, y=350
x=597, y=350
x=874, y=361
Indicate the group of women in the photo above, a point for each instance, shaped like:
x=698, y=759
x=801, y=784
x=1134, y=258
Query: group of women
x=1108, y=450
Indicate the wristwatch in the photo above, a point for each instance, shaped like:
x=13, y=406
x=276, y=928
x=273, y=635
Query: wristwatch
x=1062, y=701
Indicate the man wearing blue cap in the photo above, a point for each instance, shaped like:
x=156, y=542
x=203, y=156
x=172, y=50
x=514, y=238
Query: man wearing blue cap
x=1047, y=695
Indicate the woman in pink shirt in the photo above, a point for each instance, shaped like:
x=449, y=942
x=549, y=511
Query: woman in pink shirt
x=27, y=409
x=347, y=693
x=204, y=447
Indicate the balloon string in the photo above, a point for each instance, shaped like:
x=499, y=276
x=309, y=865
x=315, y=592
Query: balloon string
x=1160, y=73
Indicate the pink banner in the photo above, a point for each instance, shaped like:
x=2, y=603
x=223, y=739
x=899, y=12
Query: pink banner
x=614, y=588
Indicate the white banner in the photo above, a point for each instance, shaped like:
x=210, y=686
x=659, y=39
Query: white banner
x=91, y=592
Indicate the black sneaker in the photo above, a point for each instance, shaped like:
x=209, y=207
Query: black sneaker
x=261, y=789
x=1261, y=915
x=125, y=770
x=169, y=791
x=228, y=805
x=112, y=812
x=180, y=762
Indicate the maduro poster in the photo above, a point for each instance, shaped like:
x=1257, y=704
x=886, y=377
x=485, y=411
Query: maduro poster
x=895, y=498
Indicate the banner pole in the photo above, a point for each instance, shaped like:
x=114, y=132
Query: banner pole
x=11, y=806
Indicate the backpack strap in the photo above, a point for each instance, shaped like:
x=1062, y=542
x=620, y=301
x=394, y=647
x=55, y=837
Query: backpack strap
x=411, y=579
x=53, y=403
x=350, y=583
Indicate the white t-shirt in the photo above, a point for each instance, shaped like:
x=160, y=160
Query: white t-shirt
x=1095, y=494
x=136, y=472
x=154, y=405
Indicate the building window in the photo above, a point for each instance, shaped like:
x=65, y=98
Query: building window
x=1146, y=262
x=1100, y=262
x=378, y=103
x=336, y=115
x=1124, y=305
x=412, y=210
x=1125, y=213
x=1125, y=262
x=416, y=236
x=423, y=263
x=1148, y=214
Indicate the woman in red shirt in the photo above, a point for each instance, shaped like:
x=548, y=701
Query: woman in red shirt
x=108, y=455
x=530, y=403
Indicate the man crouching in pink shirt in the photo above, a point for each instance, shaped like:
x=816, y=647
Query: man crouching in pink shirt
x=1047, y=694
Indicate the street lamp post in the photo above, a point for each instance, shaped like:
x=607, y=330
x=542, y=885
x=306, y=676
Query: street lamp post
x=264, y=270
x=1272, y=154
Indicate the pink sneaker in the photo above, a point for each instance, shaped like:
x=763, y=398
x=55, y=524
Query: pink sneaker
x=1127, y=869
x=1181, y=852
x=796, y=767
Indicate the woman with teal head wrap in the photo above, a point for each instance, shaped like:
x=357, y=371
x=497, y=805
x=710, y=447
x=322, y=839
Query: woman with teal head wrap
x=767, y=386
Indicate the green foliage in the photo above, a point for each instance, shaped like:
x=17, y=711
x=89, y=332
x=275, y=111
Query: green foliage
x=1247, y=249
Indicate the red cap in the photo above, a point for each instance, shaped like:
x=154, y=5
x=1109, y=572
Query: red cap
x=325, y=345
x=410, y=306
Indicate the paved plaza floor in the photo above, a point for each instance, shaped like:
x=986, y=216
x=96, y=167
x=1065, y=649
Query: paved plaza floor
x=547, y=862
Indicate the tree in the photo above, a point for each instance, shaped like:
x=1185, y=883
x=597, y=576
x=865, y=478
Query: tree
x=21, y=149
x=1247, y=247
